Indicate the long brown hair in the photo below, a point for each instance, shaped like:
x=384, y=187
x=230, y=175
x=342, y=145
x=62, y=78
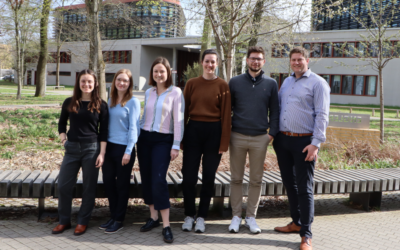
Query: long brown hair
x=95, y=100
x=114, y=92
x=163, y=61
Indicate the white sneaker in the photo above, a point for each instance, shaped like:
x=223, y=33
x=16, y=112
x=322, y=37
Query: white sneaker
x=235, y=224
x=252, y=225
x=200, y=225
x=188, y=224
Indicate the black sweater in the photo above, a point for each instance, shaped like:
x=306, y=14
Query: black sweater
x=84, y=125
x=255, y=105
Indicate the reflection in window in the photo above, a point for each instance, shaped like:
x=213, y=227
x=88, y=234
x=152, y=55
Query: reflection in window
x=285, y=50
x=337, y=50
x=327, y=78
x=307, y=46
x=327, y=50
x=316, y=50
x=347, y=81
x=358, y=85
x=387, y=48
x=275, y=77
x=335, y=89
x=373, y=50
x=370, y=86
x=283, y=77
x=361, y=49
x=349, y=49
x=396, y=49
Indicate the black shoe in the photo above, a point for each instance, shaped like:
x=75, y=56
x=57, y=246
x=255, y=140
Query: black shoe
x=107, y=224
x=150, y=224
x=115, y=227
x=167, y=233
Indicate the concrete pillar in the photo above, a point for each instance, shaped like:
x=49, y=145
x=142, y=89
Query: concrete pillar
x=174, y=64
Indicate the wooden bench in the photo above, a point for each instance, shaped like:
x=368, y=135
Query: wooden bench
x=57, y=87
x=365, y=186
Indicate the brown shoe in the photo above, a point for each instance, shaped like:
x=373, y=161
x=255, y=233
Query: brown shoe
x=60, y=228
x=290, y=228
x=305, y=243
x=80, y=229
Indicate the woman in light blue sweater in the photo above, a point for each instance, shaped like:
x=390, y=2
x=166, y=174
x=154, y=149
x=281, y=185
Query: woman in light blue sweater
x=124, y=112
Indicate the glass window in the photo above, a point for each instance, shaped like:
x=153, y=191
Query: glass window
x=154, y=11
x=349, y=50
x=285, y=50
x=358, y=85
x=361, y=49
x=275, y=77
x=327, y=79
x=114, y=33
x=162, y=31
x=327, y=50
x=347, y=82
x=128, y=56
x=276, y=52
x=164, y=11
x=336, y=83
x=171, y=12
x=145, y=10
x=387, y=49
x=396, y=49
x=373, y=50
x=337, y=50
x=316, y=50
x=370, y=86
x=307, y=46
x=137, y=32
x=138, y=10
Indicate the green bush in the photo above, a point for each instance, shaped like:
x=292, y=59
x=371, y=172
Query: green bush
x=1, y=119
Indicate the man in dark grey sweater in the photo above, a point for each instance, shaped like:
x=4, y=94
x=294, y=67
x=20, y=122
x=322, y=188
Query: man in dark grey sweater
x=255, y=122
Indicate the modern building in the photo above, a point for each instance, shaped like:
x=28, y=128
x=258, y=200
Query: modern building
x=333, y=44
x=133, y=35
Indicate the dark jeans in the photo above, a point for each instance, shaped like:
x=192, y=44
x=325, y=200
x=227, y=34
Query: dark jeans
x=77, y=155
x=298, y=177
x=200, y=139
x=117, y=179
x=154, y=155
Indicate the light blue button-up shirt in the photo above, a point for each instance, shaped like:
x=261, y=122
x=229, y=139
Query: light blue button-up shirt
x=304, y=106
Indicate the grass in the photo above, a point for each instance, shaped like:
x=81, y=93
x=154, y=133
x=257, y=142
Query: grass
x=28, y=129
x=387, y=114
x=48, y=99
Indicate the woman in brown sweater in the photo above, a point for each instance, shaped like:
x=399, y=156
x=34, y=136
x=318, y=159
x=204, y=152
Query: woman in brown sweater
x=206, y=137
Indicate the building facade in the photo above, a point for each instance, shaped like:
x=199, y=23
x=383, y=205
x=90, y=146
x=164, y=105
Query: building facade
x=125, y=19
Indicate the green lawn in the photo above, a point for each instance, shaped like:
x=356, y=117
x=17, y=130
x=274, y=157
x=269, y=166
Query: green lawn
x=30, y=99
x=387, y=114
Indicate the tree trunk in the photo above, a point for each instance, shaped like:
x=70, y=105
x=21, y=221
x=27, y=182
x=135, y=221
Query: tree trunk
x=41, y=66
x=58, y=64
x=222, y=65
x=206, y=39
x=256, y=23
x=19, y=63
x=380, y=75
x=96, y=62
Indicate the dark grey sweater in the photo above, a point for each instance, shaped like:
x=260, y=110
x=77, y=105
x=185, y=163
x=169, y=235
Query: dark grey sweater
x=251, y=101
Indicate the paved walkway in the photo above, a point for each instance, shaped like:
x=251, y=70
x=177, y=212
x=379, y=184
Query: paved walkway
x=336, y=226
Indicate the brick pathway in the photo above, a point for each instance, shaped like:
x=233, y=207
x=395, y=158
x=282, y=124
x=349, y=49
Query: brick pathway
x=336, y=226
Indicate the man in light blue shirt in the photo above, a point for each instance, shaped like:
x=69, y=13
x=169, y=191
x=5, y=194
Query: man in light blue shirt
x=304, y=114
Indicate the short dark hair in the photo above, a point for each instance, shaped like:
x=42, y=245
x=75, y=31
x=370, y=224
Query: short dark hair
x=163, y=61
x=299, y=50
x=209, y=52
x=255, y=49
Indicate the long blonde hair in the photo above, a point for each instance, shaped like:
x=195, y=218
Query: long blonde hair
x=114, y=92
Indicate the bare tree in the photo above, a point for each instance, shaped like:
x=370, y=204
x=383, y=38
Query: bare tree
x=20, y=23
x=376, y=48
x=229, y=20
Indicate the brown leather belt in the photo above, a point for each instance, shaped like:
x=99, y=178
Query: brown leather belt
x=295, y=134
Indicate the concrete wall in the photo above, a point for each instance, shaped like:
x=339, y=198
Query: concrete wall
x=337, y=137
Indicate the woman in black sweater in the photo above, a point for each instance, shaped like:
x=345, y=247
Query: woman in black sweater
x=85, y=147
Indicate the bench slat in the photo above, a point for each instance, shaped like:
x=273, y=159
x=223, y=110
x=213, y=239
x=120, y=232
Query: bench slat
x=359, y=183
x=100, y=192
x=277, y=182
x=5, y=184
x=341, y=188
x=390, y=180
x=278, y=176
x=5, y=174
x=171, y=186
x=245, y=184
x=394, y=173
x=227, y=178
x=326, y=184
x=38, y=185
x=49, y=183
x=16, y=185
x=226, y=185
x=177, y=183
x=78, y=186
x=27, y=184
x=380, y=184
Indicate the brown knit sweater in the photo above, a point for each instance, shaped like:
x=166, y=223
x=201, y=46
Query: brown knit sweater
x=209, y=101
